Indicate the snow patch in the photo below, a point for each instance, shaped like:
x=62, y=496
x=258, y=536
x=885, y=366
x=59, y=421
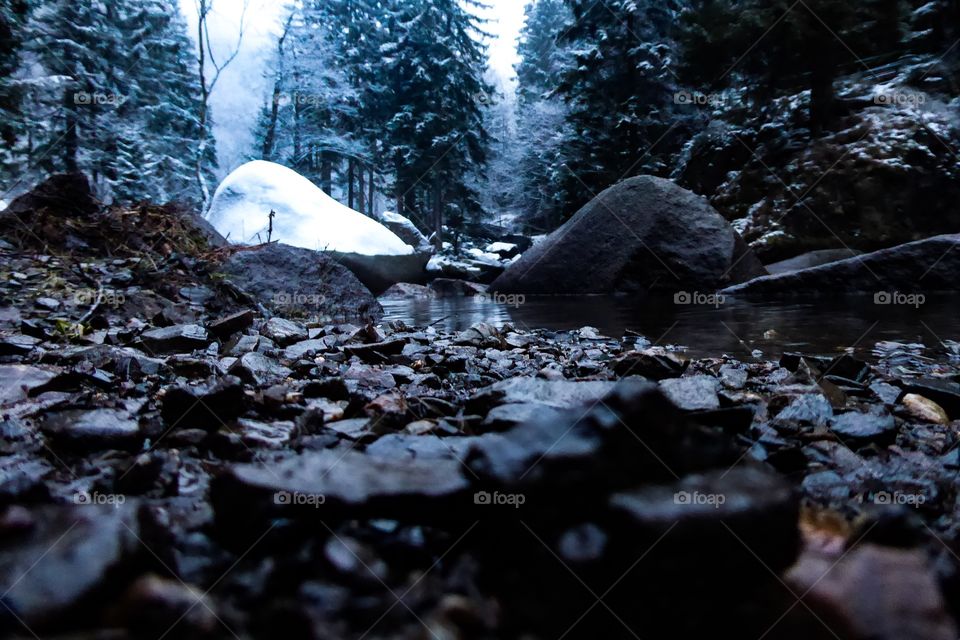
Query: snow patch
x=304, y=217
x=3, y=204
x=500, y=247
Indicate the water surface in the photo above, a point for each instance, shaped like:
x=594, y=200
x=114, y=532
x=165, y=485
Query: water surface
x=740, y=328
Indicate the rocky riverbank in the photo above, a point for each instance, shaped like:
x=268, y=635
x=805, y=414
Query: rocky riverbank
x=183, y=457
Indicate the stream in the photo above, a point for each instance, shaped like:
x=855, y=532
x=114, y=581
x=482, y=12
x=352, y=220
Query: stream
x=739, y=328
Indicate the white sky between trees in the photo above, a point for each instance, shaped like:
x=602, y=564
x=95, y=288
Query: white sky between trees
x=239, y=95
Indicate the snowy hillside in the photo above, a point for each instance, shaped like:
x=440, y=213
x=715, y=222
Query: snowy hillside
x=304, y=216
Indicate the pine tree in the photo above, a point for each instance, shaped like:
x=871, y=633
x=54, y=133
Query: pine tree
x=13, y=18
x=124, y=108
x=434, y=67
x=780, y=45
x=620, y=92
x=542, y=113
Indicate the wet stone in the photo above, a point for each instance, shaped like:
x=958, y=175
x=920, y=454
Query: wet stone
x=17, y=345
x=206, y=407
x=228, y=325
x=258, y=369
x=924, y=409
x=330, y=484
x=696, y=393
x=809, y=409
x=652, y=364
x=17, y=381
x=718, y=521
x=857, y=428
x=378, y=352
x=283, y=332
x=179, y=338
x=93, y=429
x=65, y=561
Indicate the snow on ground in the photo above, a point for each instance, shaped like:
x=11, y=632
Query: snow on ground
x=304, y=215
x=3, y=204
x=500, y=247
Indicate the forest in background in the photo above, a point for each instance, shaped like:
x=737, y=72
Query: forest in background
x=748, y=102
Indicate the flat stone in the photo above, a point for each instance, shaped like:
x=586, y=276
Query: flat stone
x=862, y=428
x=335, y=484
x=734, y=378
x=256, y=368
x=17, y=381
x=696, y=393
x=283, y=332
x=509, y=415
x=18, y=345
x=207, y=407
x=93, y=429
x=65, y=561
x=378, y=352
x=561, y=394
x=887, y=393
x=812, y=409
x=176, y=339
x=653, y=364
x=228, y=325
x=874, y=592
x=306, y=348
x=700, y=511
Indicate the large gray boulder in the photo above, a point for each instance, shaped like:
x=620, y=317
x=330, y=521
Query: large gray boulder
x=294, y=281
x=917, y=267
x=643, y=234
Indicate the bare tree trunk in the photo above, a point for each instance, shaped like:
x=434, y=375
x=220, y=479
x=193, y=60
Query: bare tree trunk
x=326, y=173
x=70, y=142
x=270, y=138
x=371, y=195
x=361, y=191
x=205, y=52
x=438, y=216
x=350, y=179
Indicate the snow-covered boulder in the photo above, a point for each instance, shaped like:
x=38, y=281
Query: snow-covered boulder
x=406, y=231
x=304, y=217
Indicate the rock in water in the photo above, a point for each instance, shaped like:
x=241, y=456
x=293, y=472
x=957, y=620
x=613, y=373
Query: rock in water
x=811, y=259
x=286, y=279
x=925, y=265
x=644, y=233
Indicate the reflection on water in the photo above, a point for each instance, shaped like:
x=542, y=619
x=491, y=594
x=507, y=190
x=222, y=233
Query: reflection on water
x=736, y=327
